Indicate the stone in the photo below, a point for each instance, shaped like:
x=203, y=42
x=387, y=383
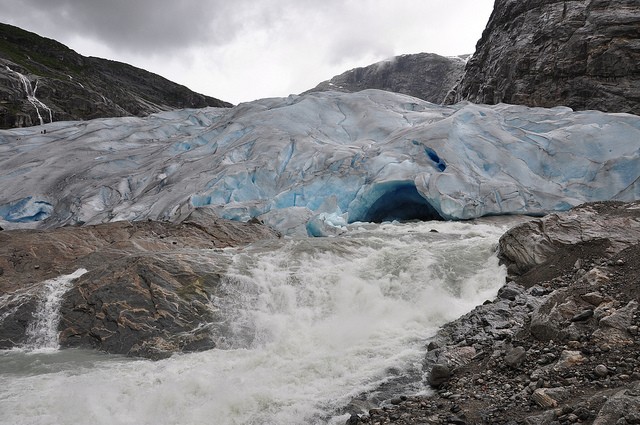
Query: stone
x=515, y=357
x=595, y=277
x=613, y=329
x=542, y=399
x=510, y=291
x=594, y=298
x=582, y=316
x=440, y=373
x=568, y=359
x=601, y=371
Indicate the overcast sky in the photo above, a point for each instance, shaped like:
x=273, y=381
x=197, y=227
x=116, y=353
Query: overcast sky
x=241, y=50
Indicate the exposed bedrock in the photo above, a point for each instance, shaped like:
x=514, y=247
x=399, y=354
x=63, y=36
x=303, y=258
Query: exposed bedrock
x=579, y=53
x=147, y=289
x=609, y=226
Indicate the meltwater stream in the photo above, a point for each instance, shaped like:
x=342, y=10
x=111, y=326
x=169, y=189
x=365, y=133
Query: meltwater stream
x=309, y=325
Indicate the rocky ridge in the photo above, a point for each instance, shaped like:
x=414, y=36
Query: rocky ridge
x=426, y=76
x=559, y=344
x=147, y=290
x=578, y=53
x=68, y=86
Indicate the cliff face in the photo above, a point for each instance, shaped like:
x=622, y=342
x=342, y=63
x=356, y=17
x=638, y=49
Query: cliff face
x=426, y=76
x=579, y=53
x=42, y=80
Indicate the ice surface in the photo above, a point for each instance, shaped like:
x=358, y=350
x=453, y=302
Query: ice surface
x=312, y=163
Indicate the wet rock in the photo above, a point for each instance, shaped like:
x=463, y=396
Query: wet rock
x=144, y=294
x=556, y=382
x=439, y=374
x=510, y=291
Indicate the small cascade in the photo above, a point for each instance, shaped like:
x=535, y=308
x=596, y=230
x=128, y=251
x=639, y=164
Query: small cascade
x=31, y=95
x=42, y=333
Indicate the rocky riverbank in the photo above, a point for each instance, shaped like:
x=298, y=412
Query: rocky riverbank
x=147, y=289
x=559, y=344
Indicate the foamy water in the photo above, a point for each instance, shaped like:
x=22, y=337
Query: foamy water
x=309, y=325
x=42, y=333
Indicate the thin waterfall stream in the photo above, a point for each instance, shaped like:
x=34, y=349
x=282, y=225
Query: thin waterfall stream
x=31, y=96
x=42, y=333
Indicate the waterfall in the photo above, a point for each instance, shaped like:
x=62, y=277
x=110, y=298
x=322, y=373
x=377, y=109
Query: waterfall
x=42, y=333
x=31, y=95
x=303, y=326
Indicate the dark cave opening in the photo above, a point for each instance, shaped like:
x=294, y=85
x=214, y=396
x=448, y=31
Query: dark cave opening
x=402, y=203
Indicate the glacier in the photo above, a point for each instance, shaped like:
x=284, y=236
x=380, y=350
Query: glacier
x=311, y=164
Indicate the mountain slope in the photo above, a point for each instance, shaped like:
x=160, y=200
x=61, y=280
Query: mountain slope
x=75, y=87
x=426, y=76
x=582, y=53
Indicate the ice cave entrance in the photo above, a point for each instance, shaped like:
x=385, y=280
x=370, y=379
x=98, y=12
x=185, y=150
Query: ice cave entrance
x=402, y=203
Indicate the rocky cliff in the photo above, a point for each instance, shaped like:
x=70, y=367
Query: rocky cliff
x=42, y=80
x=426, y=76
x=147, y=289
x=579, y=53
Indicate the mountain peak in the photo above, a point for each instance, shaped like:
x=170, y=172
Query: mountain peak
x=426, y=76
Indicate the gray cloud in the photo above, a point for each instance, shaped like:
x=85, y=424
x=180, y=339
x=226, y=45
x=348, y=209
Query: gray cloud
x=137, y=26
x=243, y=49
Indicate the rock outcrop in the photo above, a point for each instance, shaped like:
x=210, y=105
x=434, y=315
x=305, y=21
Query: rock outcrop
x=426, y=76
x=578, y=53
x=68, y=86
x=147, y=288
x=558, y=345
x=608, y=226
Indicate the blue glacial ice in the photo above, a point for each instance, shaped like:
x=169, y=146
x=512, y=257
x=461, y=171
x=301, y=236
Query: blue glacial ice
x=311, y=164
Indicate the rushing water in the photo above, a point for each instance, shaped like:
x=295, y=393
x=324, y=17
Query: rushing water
x=311, y=324
x=42, y=333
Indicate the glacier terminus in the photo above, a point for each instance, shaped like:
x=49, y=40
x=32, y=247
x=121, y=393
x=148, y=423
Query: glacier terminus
x=310, y=164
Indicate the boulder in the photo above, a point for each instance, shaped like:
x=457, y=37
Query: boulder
x=613, y=225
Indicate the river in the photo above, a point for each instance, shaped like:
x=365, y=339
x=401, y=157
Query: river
x=310, y=324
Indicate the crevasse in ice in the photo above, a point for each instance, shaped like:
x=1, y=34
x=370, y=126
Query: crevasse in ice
x=311, y=164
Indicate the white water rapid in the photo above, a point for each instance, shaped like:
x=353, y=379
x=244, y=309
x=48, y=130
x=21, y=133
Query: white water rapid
x=310, y=324
x=31, y=95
